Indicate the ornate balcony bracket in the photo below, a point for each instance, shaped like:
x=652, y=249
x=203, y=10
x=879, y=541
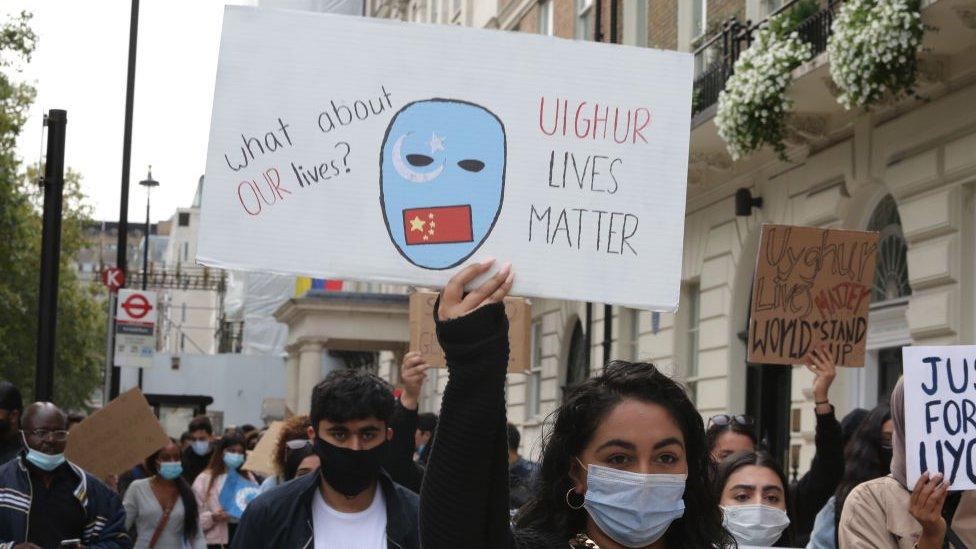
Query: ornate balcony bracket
x=804, y=129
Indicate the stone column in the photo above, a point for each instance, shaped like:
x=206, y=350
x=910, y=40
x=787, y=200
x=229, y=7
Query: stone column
x=309, y=373
x=291, y=380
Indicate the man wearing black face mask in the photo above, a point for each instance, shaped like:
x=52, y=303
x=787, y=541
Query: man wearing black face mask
x=11, y=406
x=351, y=501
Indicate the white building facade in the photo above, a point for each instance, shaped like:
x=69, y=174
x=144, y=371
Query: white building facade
x=907, y=170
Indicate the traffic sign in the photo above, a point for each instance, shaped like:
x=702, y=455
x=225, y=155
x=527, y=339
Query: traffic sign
x=135, y=328
x=113, y=278
x=136, y=306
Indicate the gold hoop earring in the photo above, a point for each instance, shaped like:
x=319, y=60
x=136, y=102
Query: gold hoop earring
x=570, y=504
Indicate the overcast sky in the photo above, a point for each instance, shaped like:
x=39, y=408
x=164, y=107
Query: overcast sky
x=80, y=66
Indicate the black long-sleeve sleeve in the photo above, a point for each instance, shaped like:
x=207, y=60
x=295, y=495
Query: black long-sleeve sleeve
x=814, y=488
x=464, y=498
x=399, y=461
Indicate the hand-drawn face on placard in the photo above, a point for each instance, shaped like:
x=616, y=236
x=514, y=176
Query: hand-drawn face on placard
x=442, y=180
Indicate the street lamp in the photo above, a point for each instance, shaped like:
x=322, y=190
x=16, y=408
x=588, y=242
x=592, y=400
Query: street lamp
x=148, y=183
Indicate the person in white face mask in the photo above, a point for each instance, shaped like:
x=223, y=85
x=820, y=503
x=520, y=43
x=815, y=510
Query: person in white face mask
x=623, y=461
x=752, y=492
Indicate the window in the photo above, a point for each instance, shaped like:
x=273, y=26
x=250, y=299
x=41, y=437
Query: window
x=545, y=18
x=184, y=219
x=534, y=385
x=578, y=361
x=585, y=29
x=769, y=6
x=183, y=312
x=891, y=268
x=698, y=17
x=186, y=251
x=434, y=12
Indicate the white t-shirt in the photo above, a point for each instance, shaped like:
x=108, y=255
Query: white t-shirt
x=337, y=530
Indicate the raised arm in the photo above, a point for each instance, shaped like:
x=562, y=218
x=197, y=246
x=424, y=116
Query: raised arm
x=827, y=468
x=464, y=498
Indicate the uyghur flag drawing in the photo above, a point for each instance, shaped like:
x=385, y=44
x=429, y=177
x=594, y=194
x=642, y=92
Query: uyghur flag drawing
x=238, y=491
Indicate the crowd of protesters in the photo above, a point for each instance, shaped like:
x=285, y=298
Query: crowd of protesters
x=625, y=462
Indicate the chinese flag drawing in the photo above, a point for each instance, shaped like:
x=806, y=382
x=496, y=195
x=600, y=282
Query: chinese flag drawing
x=442, y=225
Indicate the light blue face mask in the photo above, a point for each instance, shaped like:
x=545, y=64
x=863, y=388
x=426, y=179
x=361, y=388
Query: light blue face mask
x=633, y=509
x=169, y=470
x=45, y=462
x=233, y=461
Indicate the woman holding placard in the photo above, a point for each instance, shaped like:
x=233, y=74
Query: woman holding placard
x=623, y=464
x=728, y=434
x=162, y=508
x=883, y=513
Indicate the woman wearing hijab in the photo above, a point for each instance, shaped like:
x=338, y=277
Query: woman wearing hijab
x=883, y=513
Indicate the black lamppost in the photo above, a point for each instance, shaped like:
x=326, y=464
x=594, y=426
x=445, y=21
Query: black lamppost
x=148, y=183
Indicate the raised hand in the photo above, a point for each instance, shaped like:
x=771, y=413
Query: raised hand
x=824, y=370
x=455, y=304
x=413, y=371
x=925, y=506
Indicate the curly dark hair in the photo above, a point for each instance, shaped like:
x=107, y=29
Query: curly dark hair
x=189, y=500
x=345, y=395
x=761, y=458
x=570, y=428
x=862, y=457
x=295, y=428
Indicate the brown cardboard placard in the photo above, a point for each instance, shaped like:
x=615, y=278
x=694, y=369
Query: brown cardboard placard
x=117, y=437
x=423, y=334
x=812, y=287
x=261, y=458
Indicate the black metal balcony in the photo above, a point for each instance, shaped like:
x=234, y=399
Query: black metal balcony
x=716, y=57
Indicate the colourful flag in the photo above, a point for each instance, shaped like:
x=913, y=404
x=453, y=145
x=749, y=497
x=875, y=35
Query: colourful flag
x=443, y=225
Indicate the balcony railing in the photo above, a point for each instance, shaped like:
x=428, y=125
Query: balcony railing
x=716, y=57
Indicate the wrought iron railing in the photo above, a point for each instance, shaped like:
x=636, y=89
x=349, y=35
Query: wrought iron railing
x=714, y=71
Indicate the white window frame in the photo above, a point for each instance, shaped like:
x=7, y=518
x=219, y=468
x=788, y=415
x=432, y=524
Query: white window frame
x=583, y=9
x=546, y=17
x=533, y=378
x=692, y=324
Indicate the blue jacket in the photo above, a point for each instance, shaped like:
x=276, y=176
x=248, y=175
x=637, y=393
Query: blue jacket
x=105, y=516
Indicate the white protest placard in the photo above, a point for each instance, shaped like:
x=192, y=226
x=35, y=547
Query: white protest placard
x=940, y=413
x=356, y=148
x=135, y=328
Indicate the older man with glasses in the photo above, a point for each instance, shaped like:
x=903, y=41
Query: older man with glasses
x=47, y=501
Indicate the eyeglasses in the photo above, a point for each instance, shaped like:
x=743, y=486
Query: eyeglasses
x=57, y=436
x=726, y=419
x=298, y=443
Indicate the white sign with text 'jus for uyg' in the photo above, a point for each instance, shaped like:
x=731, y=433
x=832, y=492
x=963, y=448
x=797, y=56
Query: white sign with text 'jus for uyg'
x=356, y=148
x=135, y=328
x=940, y=413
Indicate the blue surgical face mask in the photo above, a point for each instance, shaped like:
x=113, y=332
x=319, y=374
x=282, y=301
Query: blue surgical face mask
x=169, y=470
x=46, y=462
x=633, y=509
x=200, y=447
x=233, y=461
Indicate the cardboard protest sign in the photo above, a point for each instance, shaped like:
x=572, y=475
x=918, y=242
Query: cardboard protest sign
x=364, y=149
x=940, y=413
x=117, y=437
x=812, y=288
x=261, y=458
x=423, y=331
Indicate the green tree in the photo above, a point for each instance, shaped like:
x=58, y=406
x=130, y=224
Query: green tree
x=81, y=315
